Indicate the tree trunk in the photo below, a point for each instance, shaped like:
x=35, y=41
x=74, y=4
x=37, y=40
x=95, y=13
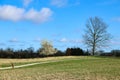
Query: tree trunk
x=94, y=46
x=93, y=50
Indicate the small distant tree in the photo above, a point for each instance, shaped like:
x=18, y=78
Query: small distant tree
x=9, y=52
x=68, y=51
x=115, y=53
x=30, y=50
x=47, y=48
x=96, y=35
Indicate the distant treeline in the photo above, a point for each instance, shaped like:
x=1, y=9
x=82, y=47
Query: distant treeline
x=115, y=53
x=30, y=53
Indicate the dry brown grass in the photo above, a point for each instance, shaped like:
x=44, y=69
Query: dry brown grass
x=32, y=60
x=73, y=68
x=5, y=61
x=23, y=75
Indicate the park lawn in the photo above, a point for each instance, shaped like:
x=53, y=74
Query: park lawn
x=74, y=68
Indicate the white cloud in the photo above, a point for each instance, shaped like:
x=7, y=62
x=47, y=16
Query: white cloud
x=59, y=3
x=26, y=2
x=13, y=13
x=63, y=40
x=38, y=16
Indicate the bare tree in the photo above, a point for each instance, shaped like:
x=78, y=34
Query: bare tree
x=96, y=35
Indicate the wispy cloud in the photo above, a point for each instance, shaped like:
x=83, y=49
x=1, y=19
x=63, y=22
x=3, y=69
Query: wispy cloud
x=74, y=3
x=59, y=3
x=115, y=42
x=37, y=40
x=2, y=44
x=63, y=3
x=56, y=35
x=116, y=19
x=13, y=13
x=26, y=2
x=22, y=45
x=108, y=2
x=14, y=40
x=76, y=41
x=65, y=40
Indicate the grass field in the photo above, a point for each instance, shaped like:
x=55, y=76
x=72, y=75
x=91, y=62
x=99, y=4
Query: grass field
x=71, y=68
x=7, y=62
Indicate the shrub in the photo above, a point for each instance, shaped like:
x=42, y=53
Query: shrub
x=59, y=53
x=74, y=51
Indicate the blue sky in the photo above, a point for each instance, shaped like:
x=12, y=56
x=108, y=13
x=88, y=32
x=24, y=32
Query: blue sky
x=24, y=23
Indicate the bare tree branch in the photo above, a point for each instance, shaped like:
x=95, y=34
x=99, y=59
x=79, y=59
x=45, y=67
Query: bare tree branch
x=96, y=34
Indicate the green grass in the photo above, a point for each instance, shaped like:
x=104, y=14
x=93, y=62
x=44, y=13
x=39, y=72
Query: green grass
x=79, y=68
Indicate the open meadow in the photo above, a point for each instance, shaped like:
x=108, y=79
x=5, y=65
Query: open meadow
x=66, y=68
